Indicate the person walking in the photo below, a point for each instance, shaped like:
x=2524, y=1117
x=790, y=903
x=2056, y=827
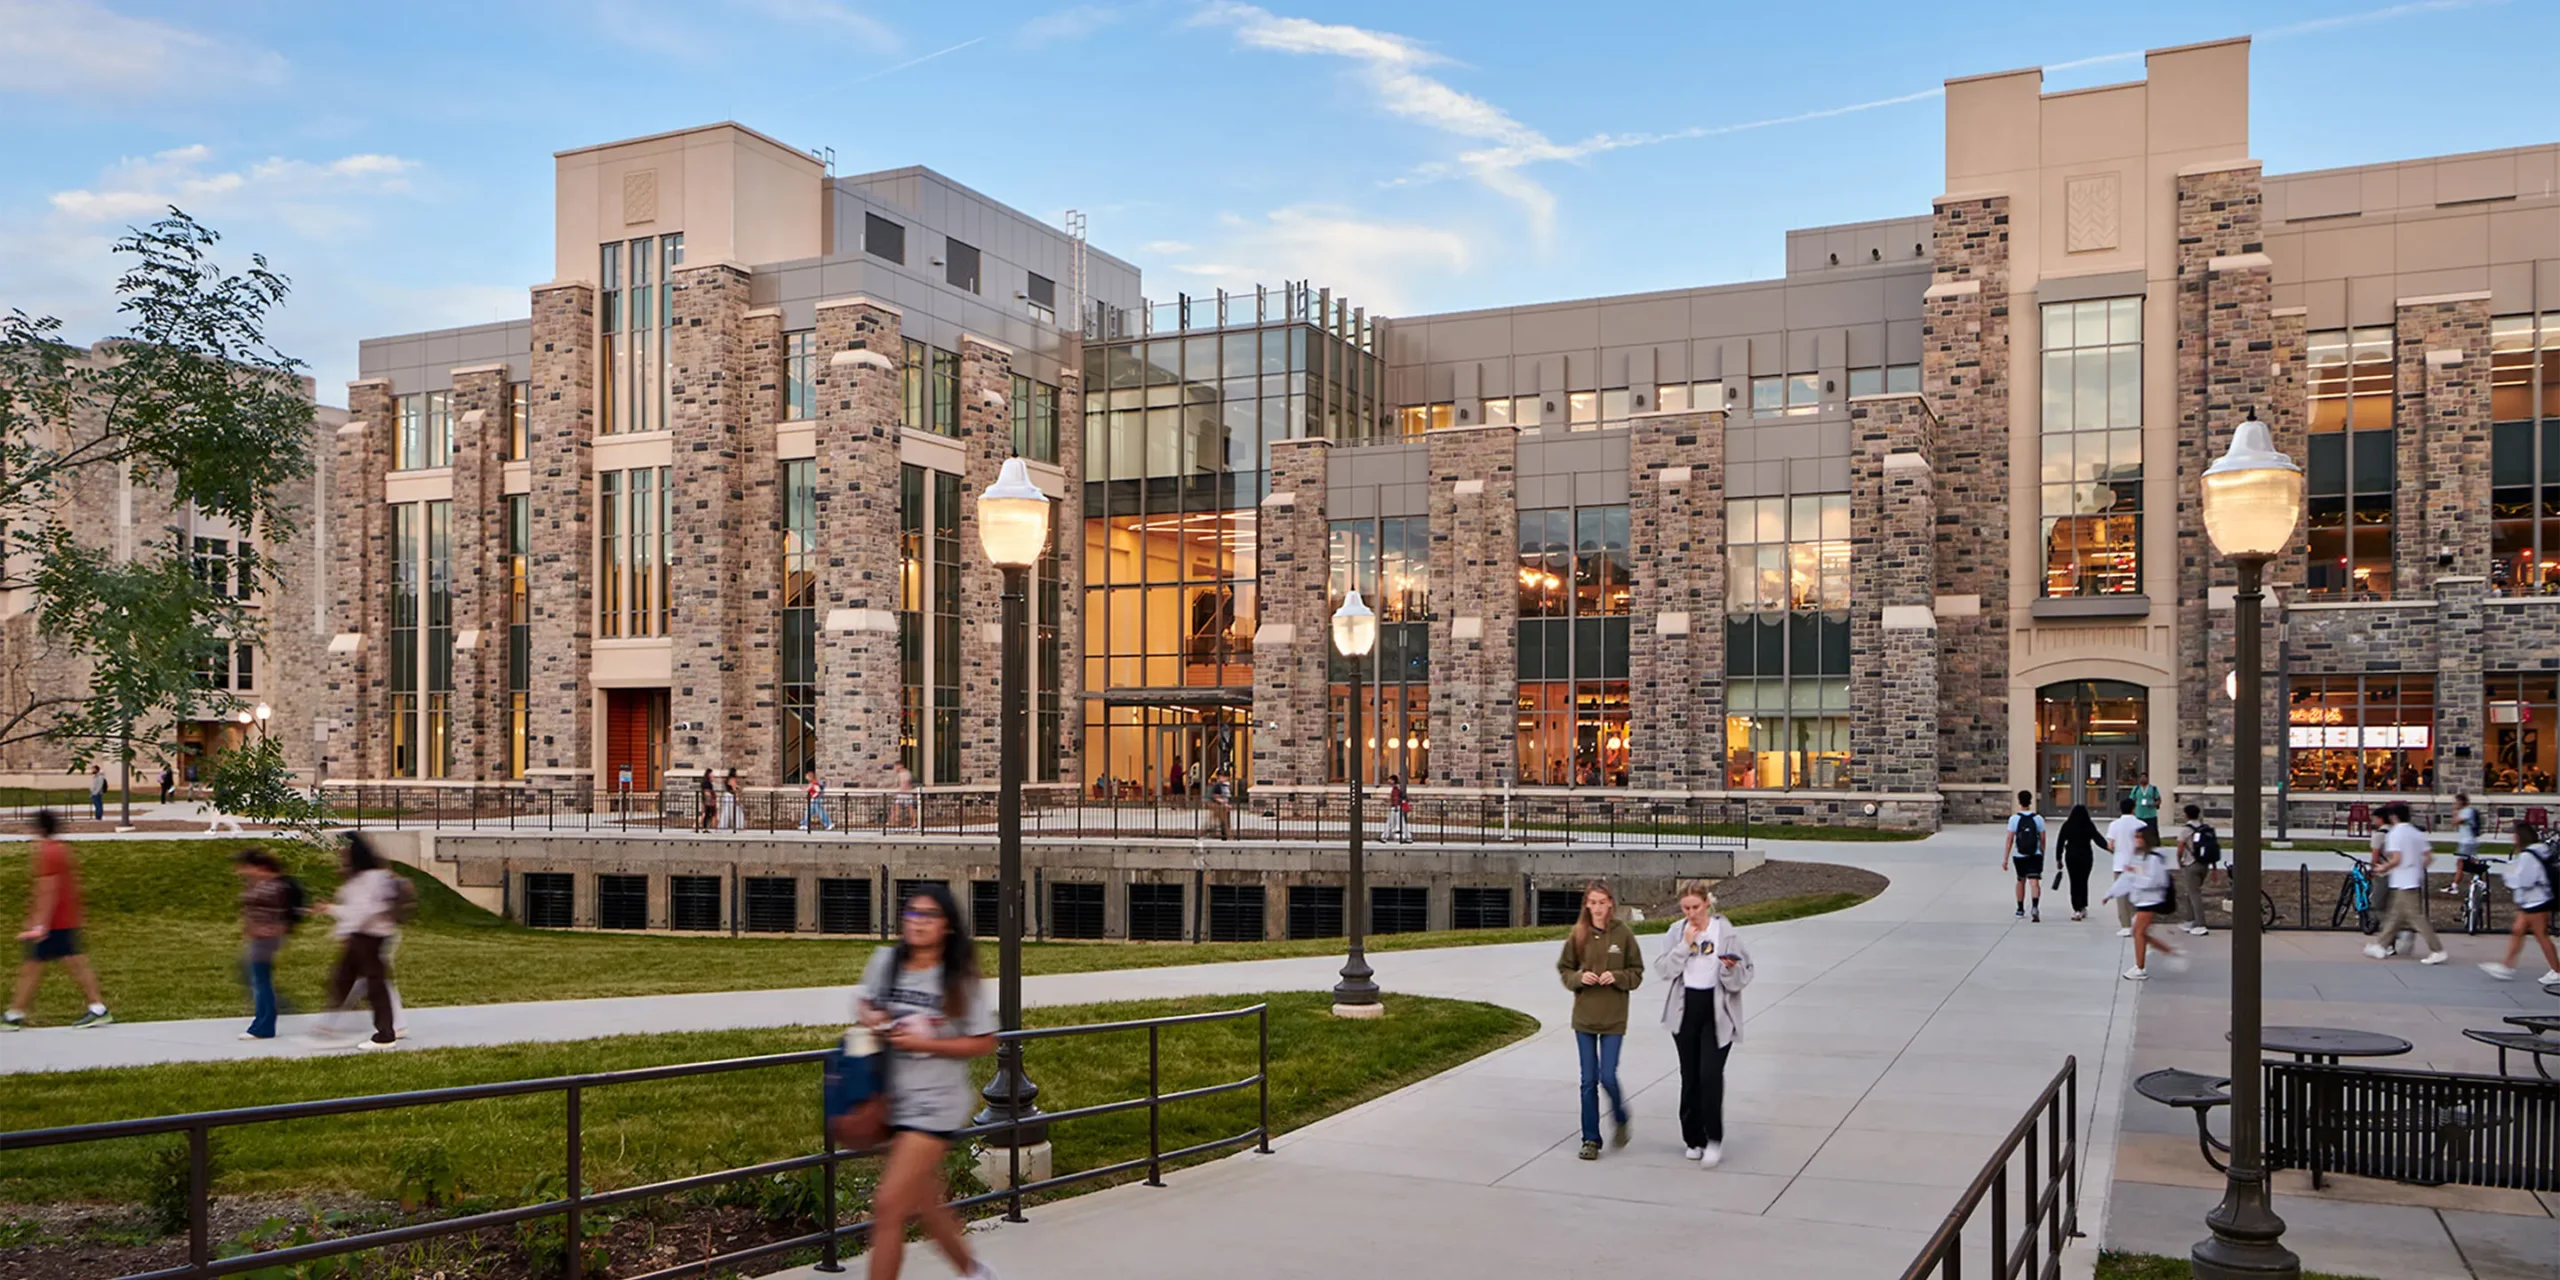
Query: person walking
x=902, y=793
x=2531, y=875
x=925, y=997
x=266, y=915
x=2076, y=844
x=1600, y=964
x=709, y=802
x=2152, y=888
x=2194, y=842
x=168, y=781
x=2120, y=845
x=97, y=794
x=1704, y=967
x=2467, y=863
x=733, y=804
x=364, y=917
x=52, y=935
x=2023, y=849
x=2146, y=802
x=1222, y=804
x=1399, y=810
x=816, y=810
x=2405, y=854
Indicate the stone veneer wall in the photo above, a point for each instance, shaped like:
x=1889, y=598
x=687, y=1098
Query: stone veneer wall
x=1068, y=519
x=1893, y=637
x=754, y=632
x=1475, y=557
x=358, y=680
x=1675, y=535
x=1290, y=686
x=1965, y=334
x=478, y=722
x=856, y=391
x=560, y=447
x=712, y=550
x=986, y=437
x=2441, y=435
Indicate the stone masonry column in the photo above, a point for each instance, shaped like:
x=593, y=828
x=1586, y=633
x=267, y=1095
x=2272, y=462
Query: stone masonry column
x=986, y=440
x=1675, y=534
x=712, y=554
x=1965, y=324
x=560, y=446
x=479, y=712
x=1069, y=519
x=1294, y=640
x=2442, y=439
x=754, y=590
x=2461, y=739
x=2225, y=372
x=1475, y=609
x=1893, y=625
x=856, y=483
x=358, y=670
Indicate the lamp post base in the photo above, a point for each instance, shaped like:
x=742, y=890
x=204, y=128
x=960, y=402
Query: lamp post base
x=1372, y=1009
x=995, y=1165
x=2247, y=1234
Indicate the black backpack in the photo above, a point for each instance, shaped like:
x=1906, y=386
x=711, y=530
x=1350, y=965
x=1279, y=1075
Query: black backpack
x=2208, y=845
x=297, y=903
x=2030, y=835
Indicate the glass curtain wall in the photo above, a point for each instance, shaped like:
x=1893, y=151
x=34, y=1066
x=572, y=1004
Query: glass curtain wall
x=929, y=623
x=519, y=630
x=1389, y=560
x=421, y=640
x=2524, y=731
x=799, y=620
x=1787, y=642
x=2352, y=465
x=631, y=530
x=407, y=536
x=2362, y=733
x=438, y=736
x=2524, y=455
x=2092, y=418
x=1573, y=725
x=632, y=294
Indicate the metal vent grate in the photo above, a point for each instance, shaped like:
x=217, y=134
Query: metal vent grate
x=1155, y=912
x=693, y=903
x=622, y=902
x=550, y=899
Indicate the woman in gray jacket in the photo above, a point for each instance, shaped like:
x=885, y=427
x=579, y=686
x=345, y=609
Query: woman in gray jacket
x=1704, y=968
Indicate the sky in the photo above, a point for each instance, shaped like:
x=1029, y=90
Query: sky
x=394, y=160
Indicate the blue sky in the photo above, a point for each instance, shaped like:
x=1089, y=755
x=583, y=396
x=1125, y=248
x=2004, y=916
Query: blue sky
x=395, y=159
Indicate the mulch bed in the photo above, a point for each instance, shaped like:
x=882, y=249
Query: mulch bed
x=1776, y=879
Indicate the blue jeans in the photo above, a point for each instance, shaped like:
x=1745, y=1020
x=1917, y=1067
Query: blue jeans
x=816, y=815
x=1599, y=1071
x=262, y=995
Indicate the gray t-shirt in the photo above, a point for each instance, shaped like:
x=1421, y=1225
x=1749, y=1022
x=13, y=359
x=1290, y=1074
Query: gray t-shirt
x=926, y=1091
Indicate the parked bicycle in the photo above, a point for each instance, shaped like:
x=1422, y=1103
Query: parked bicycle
x=2355, y=894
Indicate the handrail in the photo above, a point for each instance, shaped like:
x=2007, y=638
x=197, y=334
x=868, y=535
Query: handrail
x=2052, y=1209
x=198, y=1127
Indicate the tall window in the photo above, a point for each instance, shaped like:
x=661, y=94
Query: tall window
x=438, y=731
x=421, y=592
x=1787, y=642
x=519, y=421
x=800, y=382
x=913, y=495
x=2524, y=455
x=946, y=627
x=406, y=543
x=945, y=386
x=2353, y=466
x=1035, y=419
x=2524, y=731
x=426, y=431
x=519, y=631
x=1049, y=704
x=224, y=570
x=632, y=528
x=632, y=310
x=799, y=620
x=929, y=383
x=960, y=265
x=1390, y=562
x=1574, y=590
x=2362, y=733
x=2092, y=419
x=1040, y=297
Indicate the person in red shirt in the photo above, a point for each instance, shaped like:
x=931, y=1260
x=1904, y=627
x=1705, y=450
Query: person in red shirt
x=52, y=934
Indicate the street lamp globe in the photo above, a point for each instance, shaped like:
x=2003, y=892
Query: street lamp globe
x=1013, y=518
x=265, y=713
x=245, y=717
x=2252, y=496
x=1355, y=627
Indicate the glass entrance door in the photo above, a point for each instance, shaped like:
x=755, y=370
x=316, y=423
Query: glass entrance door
x=2095, y=776
x=2089, y=744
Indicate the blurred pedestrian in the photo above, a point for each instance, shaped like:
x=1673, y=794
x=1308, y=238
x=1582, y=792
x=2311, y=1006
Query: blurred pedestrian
x=902, y=793
x=2530, y=877
x=97, y=794
x=1399, y=810
x=267, y=908
x=168, y=781
x=2405, y=855
x=2120, y=845
x=2151, y=887
x=365, y=916
x=816, y=810
x=2077, y=845
x=733, y=804
x=1222, y=804
x=709, y=802
x=1600, y=964
x=2198, y=849
x=1705, y=967
x=925, y=997
x=53, y=927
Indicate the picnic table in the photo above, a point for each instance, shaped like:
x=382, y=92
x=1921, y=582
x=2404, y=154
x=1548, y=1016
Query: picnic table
x=2326, y=1045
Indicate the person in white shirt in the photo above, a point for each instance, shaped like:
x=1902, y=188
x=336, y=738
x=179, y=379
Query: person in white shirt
x=2466, y=844
x=2152, y=889
x=2405, y=853
x=1704, y=968
x=2024, y=850
x=2121, y=834
x=365, y=918
x=2529, y=878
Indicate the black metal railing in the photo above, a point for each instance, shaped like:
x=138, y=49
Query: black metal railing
x=1489, y=818
x=2428, y=1127
x=2048, y=1194
x=198, y=1129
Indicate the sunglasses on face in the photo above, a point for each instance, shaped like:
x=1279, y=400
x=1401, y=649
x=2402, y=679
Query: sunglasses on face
x=912, y=914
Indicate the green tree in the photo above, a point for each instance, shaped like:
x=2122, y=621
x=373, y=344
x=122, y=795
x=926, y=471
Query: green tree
x=190, y=404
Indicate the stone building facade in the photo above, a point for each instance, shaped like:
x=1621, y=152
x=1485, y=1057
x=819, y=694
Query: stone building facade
x=1884, y=540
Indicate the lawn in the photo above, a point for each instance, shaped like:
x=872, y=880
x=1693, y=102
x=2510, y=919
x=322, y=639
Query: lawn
x=2151, y=1266
x=501, y=1151
x=162, y=933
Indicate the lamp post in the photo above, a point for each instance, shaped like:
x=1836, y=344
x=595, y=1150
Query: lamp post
x=1355, y=636
x=2252, y=502
x=1013, y=527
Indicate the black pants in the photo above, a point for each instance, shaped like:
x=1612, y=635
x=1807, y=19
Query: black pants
x=1701, y=1070
x=360, y=960
x=2075, y=866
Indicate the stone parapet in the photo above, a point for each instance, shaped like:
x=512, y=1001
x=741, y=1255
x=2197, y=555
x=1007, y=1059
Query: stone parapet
x=1676, y=663
x=1291, y=738
x=560, y=449
x=1475, y=605
x=856, y=490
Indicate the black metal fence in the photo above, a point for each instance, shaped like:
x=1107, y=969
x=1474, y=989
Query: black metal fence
x=2429, y=1127
x=197, y=1128
x=2047, y=1196
x=1434, y=819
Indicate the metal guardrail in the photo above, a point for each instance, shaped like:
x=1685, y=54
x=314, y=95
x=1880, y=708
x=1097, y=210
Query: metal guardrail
x=1517, y=818
x=2427, y=1127
x=2049, y=1197
x=198, y=1129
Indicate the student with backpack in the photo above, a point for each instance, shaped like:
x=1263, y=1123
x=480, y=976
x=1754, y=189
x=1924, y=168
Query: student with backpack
x=2152, y=888
x=2198, y=850
x=373, y=902
x=2024, y=849
x=2533, y=876
x=2467, y=863
x=270, y=905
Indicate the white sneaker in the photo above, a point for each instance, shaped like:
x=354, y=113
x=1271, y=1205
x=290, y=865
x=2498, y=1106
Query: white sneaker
x=1692, y=1153
x=2503, y=973
x=2435, y=957
x=2137, y=975
x=979, y=1270
x=2174, y=964
x=2198, y=930
x=377, y=1045
x=2125, y=932
x=1711, y=1155
x=2551, y=979
x=2377, y=951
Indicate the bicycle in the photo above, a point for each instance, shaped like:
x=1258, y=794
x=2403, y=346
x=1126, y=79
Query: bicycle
x=2355, y=894
x=2475, y=899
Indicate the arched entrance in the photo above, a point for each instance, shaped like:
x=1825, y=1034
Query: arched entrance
x=2089, y=743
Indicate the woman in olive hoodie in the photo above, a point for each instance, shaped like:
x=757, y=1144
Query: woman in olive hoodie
x=1600, y=965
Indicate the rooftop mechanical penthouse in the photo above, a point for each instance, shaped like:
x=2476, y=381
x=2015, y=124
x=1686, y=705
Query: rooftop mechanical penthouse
x=1911, y=528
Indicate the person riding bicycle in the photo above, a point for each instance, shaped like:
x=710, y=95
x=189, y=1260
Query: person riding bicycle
x=2468, y=864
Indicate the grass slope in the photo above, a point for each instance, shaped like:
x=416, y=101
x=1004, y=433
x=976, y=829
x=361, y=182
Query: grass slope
x=162, y=932
x=2151, y=1266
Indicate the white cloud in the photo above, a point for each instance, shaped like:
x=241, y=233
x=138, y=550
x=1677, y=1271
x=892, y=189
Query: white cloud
x=1380, y=265
x=830, y=15
x=1067, y=25
x=67, y=47
x=1165, y=248
x=309, y=196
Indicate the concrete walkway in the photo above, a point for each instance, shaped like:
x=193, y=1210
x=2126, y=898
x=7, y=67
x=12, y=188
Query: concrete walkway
x=1887, y=1050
